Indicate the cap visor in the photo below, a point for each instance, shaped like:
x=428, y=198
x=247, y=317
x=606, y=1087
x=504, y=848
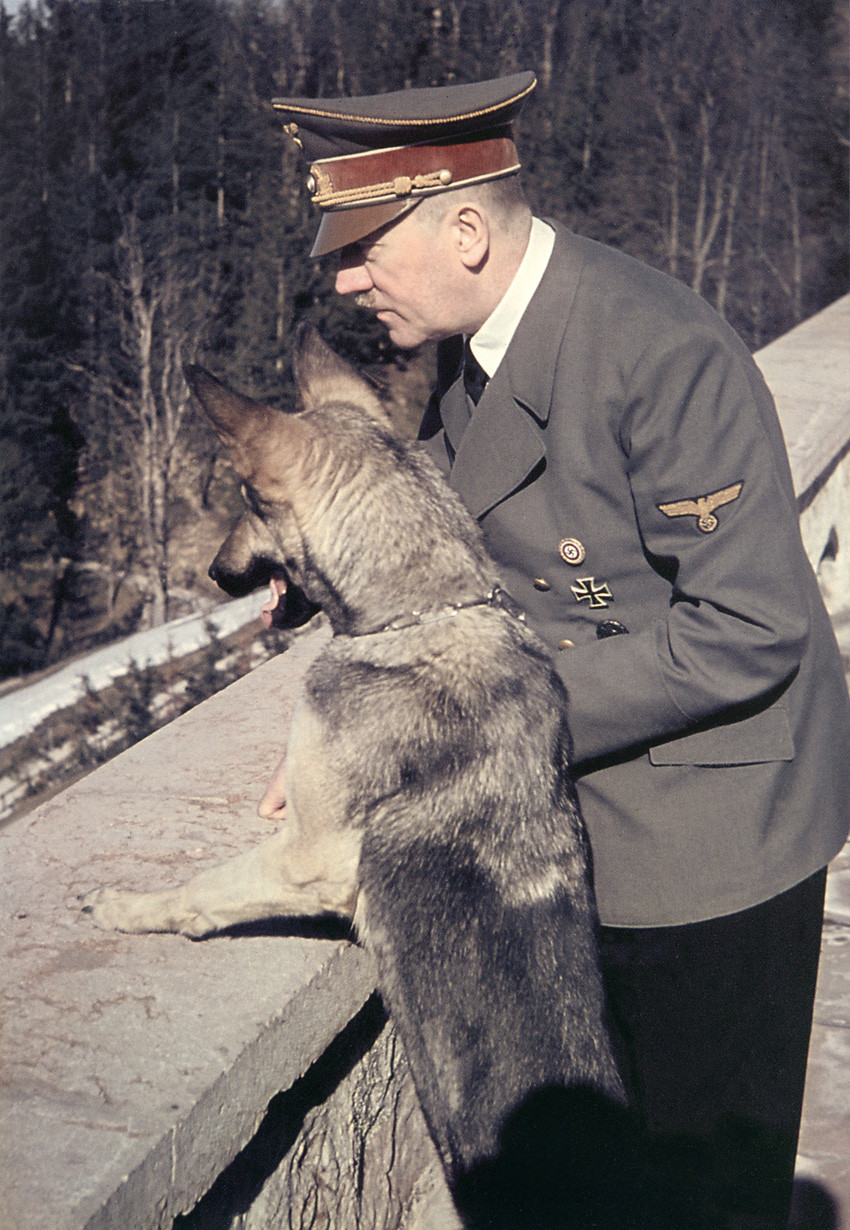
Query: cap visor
x=340, y=227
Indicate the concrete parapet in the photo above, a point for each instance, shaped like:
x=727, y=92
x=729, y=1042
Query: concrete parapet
x=808, y=372
x=134, y=1068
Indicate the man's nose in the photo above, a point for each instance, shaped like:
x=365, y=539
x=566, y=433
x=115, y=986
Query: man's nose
x=352, y=278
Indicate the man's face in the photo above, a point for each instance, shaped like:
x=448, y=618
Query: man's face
x=408, y=276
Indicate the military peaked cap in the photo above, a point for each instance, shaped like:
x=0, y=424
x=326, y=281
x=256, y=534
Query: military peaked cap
x=373, y=158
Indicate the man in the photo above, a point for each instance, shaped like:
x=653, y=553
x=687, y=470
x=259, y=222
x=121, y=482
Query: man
x=624, y=458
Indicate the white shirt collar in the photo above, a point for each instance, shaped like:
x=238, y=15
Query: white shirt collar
x=491, y=341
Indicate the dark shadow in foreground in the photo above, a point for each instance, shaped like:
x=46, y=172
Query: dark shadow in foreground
x=571, y=1159
x=568, y=1157
x=812, y=1207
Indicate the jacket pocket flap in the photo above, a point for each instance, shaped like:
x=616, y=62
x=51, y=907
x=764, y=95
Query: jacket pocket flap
x=759, y=739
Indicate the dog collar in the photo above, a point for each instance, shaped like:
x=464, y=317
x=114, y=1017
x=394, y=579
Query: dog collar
x=497, y=597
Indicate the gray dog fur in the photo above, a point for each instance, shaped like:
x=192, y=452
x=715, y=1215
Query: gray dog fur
x=429, y=796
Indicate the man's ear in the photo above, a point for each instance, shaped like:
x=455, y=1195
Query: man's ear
x=472, y=235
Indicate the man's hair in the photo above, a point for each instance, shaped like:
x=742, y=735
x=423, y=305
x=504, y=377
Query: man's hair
x=504, y=200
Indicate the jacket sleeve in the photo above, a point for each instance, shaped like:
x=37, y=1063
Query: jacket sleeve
x=715, y=519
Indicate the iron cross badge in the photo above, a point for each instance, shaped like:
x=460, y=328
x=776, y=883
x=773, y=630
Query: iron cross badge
x=596, y=593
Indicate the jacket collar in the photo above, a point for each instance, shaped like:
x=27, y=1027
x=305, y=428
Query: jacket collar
x=500, y=447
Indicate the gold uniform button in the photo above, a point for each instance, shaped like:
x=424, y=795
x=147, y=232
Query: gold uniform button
x=566, y=644
x=542, y=584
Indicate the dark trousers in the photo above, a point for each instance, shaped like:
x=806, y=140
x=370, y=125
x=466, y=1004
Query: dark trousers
x=711, y=1023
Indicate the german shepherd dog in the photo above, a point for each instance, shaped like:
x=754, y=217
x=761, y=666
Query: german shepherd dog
x=429, y=797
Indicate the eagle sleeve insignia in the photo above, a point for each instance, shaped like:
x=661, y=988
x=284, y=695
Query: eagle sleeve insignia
x=703, y=507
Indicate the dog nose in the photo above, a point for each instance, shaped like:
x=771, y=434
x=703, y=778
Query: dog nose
x=239, y=584
x=221, y=577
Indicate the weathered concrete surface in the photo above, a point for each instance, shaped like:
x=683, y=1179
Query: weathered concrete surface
x=808, y=372
x=363, y=1160
x=132, y=1068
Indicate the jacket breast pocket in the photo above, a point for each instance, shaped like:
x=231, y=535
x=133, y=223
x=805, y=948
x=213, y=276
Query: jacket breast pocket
x=758, y=739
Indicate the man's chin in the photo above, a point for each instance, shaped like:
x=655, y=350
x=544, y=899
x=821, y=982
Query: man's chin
x=401, y=334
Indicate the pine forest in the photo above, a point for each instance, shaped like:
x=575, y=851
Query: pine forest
x=152, y=214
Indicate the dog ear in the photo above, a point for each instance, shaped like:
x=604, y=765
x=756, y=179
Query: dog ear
x=242, y=424
x=321, y=376
x=228, y=411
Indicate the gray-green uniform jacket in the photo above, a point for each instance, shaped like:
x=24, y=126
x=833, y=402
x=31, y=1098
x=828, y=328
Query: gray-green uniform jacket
x=628, y=470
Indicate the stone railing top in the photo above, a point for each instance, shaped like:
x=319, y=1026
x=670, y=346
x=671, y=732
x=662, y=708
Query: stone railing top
x=133, y=1068
x=808, y=372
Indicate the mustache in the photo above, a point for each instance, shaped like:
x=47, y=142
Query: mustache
x=366, y=300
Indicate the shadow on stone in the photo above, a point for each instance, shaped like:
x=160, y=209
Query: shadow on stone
x=238, y=1186
x=571, y=1156
x=563, y=1149
x=325, y=927
x=812, y=1207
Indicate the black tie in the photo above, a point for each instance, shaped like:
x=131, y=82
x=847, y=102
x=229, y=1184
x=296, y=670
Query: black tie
x=474, y=376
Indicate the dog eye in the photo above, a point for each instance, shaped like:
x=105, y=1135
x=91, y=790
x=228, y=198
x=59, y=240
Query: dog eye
x=252, y=503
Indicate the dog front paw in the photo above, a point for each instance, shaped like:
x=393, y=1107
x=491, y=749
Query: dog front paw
x=113, y=909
